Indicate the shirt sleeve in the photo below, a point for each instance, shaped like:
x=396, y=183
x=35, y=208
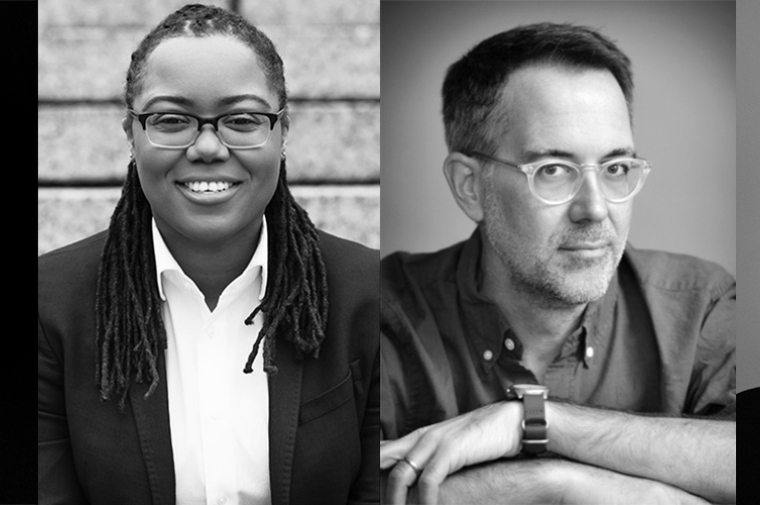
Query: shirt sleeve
x=712, y=390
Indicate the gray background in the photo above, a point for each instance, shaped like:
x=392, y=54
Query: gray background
x=748, y=193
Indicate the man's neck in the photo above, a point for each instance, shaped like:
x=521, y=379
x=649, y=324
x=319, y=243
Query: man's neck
x=541, y=326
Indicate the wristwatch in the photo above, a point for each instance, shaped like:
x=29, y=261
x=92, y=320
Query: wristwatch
x=534, y=424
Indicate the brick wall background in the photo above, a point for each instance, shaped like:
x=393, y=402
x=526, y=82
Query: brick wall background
x=331, y=53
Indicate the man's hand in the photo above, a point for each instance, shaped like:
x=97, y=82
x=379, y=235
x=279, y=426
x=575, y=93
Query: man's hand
x=485, y=434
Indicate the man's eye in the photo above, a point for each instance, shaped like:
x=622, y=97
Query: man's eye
x=618, y=169
x=555, y=170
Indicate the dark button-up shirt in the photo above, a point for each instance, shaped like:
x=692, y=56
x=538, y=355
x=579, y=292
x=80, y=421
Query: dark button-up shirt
x=661, y=340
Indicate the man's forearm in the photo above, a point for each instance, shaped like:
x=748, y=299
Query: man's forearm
x=522, y=481
x=541, y=481
x=526, y=482
x=696, y=455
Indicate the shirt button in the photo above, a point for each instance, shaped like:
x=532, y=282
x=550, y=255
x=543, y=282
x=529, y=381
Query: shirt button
x=212, y=334
x=509, y=344
x=221, y=501
x=487, y=355
x=589, y=352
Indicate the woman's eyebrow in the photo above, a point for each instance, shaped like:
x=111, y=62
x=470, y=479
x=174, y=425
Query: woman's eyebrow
x=179, y=100
x=231, y=100
x=228, y=100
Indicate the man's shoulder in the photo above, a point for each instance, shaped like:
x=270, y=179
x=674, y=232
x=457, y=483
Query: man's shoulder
x=401, y=268
x=675, y=271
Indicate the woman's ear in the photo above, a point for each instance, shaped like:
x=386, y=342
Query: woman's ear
x=463, y=175
x=285, y=128
x=126, y=125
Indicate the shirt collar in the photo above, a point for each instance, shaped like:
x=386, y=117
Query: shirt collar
x=491, y=327
x=165, y=260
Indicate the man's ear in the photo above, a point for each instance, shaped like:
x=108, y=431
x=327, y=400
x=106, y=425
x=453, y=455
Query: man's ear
x=463, y=174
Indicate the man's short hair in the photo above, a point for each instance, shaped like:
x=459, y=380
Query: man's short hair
x=473, y=85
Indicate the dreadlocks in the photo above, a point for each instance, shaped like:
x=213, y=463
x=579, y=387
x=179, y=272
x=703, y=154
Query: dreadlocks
x=130, y=328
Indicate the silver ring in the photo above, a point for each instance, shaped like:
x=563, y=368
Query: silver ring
x=411, y=463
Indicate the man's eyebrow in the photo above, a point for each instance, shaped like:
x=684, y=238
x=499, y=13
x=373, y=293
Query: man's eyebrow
x=532, y=155
x=616, y=153
x=228, y=100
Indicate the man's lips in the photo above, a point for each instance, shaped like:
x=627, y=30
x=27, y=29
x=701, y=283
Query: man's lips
x=585, y=246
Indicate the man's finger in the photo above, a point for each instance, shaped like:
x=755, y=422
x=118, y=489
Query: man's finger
x=392, y=451
x=436, y=470
x=401, y=478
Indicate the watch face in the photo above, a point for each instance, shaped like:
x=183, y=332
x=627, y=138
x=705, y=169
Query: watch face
x=520, y=390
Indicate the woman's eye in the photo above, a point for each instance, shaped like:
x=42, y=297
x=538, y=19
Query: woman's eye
x=169, y=120
x=243, y=121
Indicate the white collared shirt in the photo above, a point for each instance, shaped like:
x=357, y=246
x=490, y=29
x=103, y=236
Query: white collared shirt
x=218, y=415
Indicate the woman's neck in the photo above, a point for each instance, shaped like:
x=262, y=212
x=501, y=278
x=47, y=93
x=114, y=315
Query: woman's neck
x=212, y=266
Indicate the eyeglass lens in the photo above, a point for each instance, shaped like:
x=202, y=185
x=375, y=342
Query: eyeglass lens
x=235, y=130
x=556, y=182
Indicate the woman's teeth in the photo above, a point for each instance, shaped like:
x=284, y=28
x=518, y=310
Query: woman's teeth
x=208, y=187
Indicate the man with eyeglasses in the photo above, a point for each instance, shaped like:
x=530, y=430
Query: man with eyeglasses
x=543, y=359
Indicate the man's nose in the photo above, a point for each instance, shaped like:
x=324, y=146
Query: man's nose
x=589, y=204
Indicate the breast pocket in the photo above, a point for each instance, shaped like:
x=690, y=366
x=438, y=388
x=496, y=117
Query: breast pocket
x=328, y=401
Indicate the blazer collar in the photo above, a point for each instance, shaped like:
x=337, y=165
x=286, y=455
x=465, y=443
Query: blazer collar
x=284, y=403
x=152, y=421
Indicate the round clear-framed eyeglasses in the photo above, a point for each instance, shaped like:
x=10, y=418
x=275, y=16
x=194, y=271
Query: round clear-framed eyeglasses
x=557, y=181
x=238, y=130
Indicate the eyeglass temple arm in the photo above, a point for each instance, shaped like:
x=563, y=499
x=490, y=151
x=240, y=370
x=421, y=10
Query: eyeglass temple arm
x=478, y=154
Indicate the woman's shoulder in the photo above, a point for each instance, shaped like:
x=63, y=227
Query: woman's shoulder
x=353, y=270
x=83, y=249
x=71, y=267
x=347, y=254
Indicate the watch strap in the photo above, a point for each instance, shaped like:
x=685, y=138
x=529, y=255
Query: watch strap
x=534, y=425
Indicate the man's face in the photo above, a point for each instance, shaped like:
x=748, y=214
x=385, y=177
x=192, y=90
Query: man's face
x=561, y=254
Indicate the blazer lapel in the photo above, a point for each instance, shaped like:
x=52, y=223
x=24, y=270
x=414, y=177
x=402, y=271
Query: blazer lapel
x=152, y=421
x=284, y=404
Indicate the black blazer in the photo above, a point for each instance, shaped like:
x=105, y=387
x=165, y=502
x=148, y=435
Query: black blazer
x=324, y=429
x=748, y=445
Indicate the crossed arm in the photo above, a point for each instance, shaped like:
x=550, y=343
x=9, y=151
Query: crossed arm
x=673, y=459
x=553, y=480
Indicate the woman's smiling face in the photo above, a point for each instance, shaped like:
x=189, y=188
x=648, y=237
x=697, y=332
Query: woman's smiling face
x=207, y=77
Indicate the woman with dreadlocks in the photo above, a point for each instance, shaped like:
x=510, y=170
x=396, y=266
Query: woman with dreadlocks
x=211, y=346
